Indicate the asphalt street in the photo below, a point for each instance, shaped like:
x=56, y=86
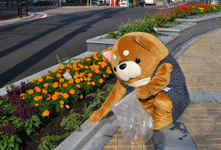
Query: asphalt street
x=31, y=46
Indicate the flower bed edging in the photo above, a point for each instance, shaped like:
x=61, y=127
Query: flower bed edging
x=205, y=24
x=40, y=74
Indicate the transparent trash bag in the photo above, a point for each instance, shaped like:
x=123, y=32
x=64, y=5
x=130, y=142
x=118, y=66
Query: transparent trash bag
x=135, y=122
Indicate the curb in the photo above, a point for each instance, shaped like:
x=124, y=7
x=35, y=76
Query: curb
x=2, y=23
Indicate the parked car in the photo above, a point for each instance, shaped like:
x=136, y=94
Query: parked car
x=84, y=2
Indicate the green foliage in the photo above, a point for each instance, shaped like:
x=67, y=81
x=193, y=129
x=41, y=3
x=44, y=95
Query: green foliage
x=47, y=141
x=9, y=143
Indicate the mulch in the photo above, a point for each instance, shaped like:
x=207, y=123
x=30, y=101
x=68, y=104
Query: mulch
x=5, y=17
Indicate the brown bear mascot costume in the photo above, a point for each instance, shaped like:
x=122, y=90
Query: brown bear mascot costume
x=140, y=60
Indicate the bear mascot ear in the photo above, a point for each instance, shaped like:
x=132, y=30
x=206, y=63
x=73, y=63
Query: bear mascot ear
x=142, y=43
x=107, y=53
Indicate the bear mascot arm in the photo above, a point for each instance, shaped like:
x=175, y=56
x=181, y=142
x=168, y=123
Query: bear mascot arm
x=158, y=83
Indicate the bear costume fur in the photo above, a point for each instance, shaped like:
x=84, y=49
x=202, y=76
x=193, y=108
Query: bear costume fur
x=140, y=60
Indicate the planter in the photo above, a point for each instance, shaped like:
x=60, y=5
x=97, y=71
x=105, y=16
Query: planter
x=97, y=45
x=204, y=24
x=186, y=32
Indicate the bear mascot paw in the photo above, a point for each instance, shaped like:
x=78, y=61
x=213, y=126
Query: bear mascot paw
x=140, y=60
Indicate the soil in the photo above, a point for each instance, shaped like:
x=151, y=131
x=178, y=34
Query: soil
x=53, y=127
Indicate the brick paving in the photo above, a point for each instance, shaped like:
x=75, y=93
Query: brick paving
x=202, y=68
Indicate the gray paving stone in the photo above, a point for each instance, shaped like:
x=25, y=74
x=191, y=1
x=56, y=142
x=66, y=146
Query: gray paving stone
x=103, y=135
x=201, y=97
x=173, y=137
x=216, y=96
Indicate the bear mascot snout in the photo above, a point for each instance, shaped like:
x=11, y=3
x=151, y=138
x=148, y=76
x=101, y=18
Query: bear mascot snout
x=140, y=60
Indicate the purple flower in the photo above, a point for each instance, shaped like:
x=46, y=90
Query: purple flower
x=8, y=129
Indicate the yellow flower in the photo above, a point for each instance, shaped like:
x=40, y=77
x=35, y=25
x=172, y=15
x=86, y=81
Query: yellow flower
x=101, y=80
x=55, y=85
x=44, y=91
x=36, y=104
x=61, y=80
x=81, y=96
x=45, y=113
x=67, y=106
x=72, y=91
x=65, y=95
x=79, y=86
x=54, y=97
x=40, y=80
x=65, y=85
x=58, y=75
x=33, y=80
x=30, y=92
x=61, y=102
x=46, y=85
x=61, y=106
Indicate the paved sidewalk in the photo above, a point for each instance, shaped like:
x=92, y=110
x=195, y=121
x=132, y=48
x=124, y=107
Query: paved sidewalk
x=202, y=68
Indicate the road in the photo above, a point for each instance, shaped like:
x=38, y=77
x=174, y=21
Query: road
x=31, y=46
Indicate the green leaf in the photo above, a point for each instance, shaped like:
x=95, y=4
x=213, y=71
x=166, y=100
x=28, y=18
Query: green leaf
x=11, y=144
x=35, y=118
x=18, y=140
x=16, y=147
x=1, y=102
x=36, y=125
x=28, y=131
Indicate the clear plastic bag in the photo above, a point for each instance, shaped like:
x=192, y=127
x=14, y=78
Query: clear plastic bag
x=135, y=122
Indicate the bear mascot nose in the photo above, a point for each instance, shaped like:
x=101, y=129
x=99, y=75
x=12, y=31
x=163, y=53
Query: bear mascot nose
x=123, y=66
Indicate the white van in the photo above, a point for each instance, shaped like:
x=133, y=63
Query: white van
x=154, y=2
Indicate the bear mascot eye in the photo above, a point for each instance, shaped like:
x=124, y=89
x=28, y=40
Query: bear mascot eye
x=137, y=60
x=114, y=68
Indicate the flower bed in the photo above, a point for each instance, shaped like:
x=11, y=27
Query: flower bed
x=161, y=19
x=27, y=107
x=41, y=3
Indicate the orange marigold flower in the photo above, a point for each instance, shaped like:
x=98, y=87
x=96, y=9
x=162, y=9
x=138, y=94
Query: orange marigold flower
x=74, y=65
x=55, y=85
x=78, y=60
x=48, y=97
x=81, y=79
x=62, y=67
x=69, y=66
x=53, y=71
x=61, y=80
x=40, y=80
x=65, y=85
x=58, y=67
x=48, y=77
x=81, y=96
x=97, y=71
x=81, y=66
x=88, y=59
x=86, y=67
x=37, y=89
x=36, y=104
x=54, y=97
x=22, y=94
x=93, y=83
x=109, y=71
x=67, y=106
x=58, y=75
x=77, y=80
x=45, y=113
x=44, y=91
x=30, y=92
x=68, y=70
x=89, y=79
x=88, y=55
x=40, y=97
x=79, y=86
x=33, y=80
x=61, y=102
x=36, y=98
x=61, y=106
x=65, y=95
x=56, y=93
x=46, y=85
x=90, y=74
x=104, y=75
x=101, y=80
x=71, y=81
x=72, y=91
x=89, y=83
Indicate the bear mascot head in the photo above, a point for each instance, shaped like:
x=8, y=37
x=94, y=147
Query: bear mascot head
x=140, y=60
